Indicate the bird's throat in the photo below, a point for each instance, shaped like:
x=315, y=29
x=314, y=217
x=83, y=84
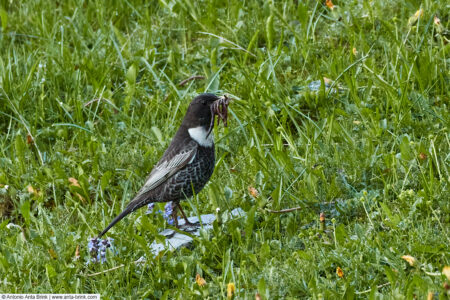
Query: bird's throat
x=201, y=136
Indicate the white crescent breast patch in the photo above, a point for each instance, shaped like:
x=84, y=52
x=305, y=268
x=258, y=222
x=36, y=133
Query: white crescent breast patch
x=199, y=133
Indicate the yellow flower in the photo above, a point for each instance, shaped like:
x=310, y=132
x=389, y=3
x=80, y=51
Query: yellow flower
x=231, y=289
x=446, y=271
x=438, y=25
x=329, y=4
x=33, y=191
x=52, y=253
x=200, y=280
x=77, y=253
x=74, y=182
x=414, y=18
x=322, y=217
x=340, y=272
x=419, y=13
x=30, y=140
x=254, y=192
x=411, y=260
x=327, y=80
x=437, y=21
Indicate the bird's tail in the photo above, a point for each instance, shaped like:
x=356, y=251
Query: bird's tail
x=132, y=206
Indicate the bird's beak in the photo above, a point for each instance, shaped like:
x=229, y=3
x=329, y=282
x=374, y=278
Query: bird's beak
x=219, y=108
x=224, y=99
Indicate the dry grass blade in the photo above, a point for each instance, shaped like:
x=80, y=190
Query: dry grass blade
x=228, y=41
x=193, y=77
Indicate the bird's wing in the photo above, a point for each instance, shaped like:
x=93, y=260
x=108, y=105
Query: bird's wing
x=166, y=168
x=175, y=158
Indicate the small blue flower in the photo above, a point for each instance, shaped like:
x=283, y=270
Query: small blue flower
x=150, y=208
x=93, y=245
x=168, y=210
x=97, y=249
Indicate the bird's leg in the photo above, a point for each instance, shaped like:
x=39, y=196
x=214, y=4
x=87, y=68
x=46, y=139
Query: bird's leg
x=174, y=216
x=184, y=216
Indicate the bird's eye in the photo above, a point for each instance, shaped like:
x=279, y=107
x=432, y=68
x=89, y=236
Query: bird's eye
x=204, y=102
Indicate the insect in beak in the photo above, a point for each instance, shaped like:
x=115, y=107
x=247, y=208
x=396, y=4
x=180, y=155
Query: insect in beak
x=220, y=109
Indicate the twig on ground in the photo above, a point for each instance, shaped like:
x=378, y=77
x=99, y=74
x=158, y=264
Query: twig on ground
x=105, y=271
x=115, y=268
x=228, y=41
x=193, y=77
x=96, y=100
x=378, y=287
x=283, y=210
x=432, y=273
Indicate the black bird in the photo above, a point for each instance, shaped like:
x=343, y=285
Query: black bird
x=187, y=164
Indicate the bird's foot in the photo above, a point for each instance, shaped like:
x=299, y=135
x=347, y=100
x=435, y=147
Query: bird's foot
x=188, y=226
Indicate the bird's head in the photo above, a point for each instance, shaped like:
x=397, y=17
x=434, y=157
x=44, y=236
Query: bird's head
x=200, y=112
x=199, y=118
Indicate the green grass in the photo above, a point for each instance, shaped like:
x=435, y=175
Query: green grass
x=373, y=156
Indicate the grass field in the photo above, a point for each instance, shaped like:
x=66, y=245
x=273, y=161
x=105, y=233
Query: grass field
x=90, y=97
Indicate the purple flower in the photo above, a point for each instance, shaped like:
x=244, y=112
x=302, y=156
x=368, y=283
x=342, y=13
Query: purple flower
x=150, y=208
x=93, y=246
x=168, y=211
x=97, y=248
